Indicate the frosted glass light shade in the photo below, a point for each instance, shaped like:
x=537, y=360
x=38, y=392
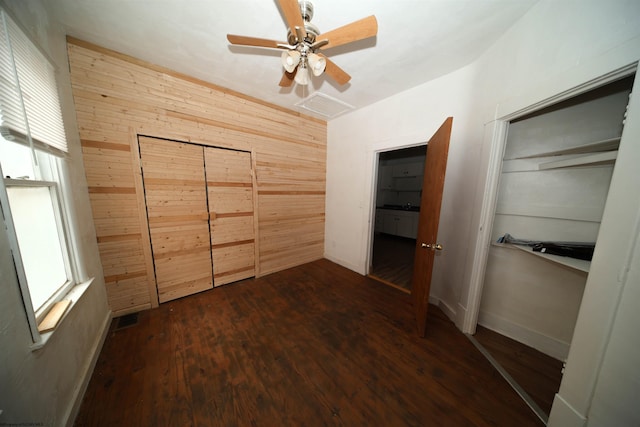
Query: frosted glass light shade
x=302, y=76
x=290, y=60
x=317, y=64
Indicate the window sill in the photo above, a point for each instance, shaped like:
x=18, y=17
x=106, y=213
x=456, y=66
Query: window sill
x=74, y=294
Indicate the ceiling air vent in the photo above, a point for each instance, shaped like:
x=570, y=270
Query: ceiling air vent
x=324, y=105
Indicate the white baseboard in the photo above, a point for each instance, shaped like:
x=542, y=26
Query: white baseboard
x=81, y=388
x=357, y=268
x=446, y=309
x=546, y=344
x=564, y=415
x=450, y=312
x=461, y=315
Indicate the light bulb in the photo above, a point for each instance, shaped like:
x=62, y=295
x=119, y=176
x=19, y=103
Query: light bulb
x=302, y=76
x=290, y=60
x=317, y=64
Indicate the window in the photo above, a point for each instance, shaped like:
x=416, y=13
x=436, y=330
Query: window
x=33, y=197
x=32, y=155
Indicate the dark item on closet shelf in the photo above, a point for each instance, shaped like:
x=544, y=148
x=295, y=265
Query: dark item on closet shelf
x=578, y=250
x=574, y=250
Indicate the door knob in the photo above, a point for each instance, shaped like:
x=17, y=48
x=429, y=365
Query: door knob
x=434, y=246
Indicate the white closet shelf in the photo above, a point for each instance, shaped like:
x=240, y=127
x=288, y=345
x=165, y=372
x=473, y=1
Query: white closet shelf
x=602, y=158
x=576, y=264
x=593, y=147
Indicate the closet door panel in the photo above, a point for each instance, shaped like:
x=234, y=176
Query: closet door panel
x=182, y=275
x=233, y=263
x=231, y=199
x=232, y=229
x=176, y=199
x=230, y=195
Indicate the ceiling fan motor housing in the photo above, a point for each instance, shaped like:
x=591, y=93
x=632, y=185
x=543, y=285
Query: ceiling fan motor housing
x=306, y=10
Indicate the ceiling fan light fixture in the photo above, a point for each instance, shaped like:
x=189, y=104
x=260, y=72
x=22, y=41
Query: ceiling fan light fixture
x=302, y=76
x=290, y=60
x=317, y=64
x=304, y=39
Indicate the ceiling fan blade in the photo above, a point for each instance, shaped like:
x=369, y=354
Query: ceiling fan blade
x=287, y=78
x=291, y=11
x=358, y=30
x=335, y=72
x=254, y=41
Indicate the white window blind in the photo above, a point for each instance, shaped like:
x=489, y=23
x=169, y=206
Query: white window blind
x=29, y=106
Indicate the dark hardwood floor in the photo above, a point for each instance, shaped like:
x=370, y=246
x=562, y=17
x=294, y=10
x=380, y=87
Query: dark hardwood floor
x=538, y=374
x=393, y=260
x=314, y=345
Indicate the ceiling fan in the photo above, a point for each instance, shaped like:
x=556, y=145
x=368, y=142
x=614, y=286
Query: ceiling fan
x=302, y=52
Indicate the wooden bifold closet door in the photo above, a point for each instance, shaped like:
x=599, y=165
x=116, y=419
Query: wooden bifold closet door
x=176, y=197
x=200, y=211
x=230, y=191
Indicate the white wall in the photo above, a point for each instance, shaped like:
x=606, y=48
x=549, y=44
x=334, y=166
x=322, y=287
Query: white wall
x=407, y=119
x=42, y=386
x=556, y=46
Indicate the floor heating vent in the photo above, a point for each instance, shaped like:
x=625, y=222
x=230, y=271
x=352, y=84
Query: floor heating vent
x=127, y=321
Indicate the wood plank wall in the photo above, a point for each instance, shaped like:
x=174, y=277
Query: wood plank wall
x=118, y=98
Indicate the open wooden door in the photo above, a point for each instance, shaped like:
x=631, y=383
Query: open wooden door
x=230, y=195
x=426, y=245
x=176, y=197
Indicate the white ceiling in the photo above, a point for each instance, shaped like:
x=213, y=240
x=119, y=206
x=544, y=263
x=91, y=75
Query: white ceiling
x=418, y=40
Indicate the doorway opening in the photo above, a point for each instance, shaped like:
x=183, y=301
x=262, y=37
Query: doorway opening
x=398, y=193
x=554, y=178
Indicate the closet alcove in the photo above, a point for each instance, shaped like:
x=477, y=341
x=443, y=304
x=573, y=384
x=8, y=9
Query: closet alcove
x=554, y=181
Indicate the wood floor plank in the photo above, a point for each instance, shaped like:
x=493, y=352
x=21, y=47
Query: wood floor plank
x=314, y=345
x=393, y=260
x=538, y=374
